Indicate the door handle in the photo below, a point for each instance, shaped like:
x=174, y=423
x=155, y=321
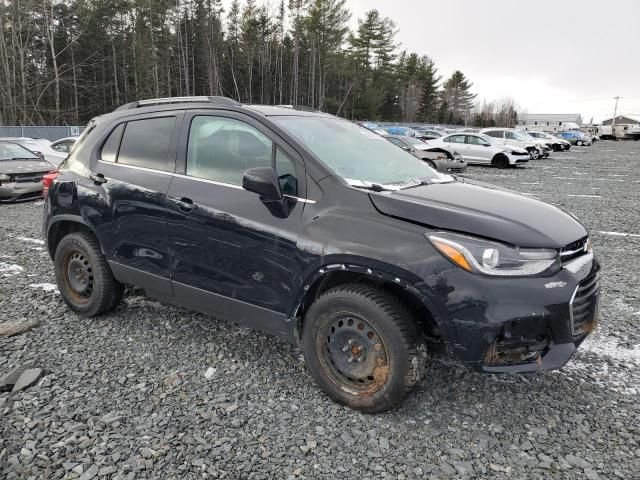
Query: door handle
x=186, y=205
x=98, y=178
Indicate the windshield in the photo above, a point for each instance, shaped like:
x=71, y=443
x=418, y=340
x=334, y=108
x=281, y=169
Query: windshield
x=10, y=151
x=356, y=154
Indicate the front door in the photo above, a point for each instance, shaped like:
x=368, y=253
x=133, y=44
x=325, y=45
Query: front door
x=478, y=149
x=231, y=254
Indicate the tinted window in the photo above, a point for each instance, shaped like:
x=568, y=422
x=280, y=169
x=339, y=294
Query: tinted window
x=456, y=139
x=494, y=133
x=61, y=147
x=109, y=150
x=221, y=149
x=145, y=143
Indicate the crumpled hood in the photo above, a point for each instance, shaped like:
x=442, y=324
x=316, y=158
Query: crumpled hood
x=25, y=166
x=483, y=210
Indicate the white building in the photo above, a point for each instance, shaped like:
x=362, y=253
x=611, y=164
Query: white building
x=552, y=122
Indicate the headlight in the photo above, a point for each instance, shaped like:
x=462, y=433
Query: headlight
x=4, y=177
x=481, y=256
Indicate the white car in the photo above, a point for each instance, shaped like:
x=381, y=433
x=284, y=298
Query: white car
x=558, y=144
x=511, y=137
x=41, y=147
x=481, y=149
x=59, y=150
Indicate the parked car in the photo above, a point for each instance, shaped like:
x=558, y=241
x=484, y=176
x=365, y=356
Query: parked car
x=40, y=146
x=575, y=138
x=315, y=229
x=436, y=157
x=479, y=149
x=399, y=130
x=557, y=144
x=21, y=172
x=426, y=135
x=508, y=136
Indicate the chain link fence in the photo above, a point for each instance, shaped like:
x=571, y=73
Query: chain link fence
x=50, y=133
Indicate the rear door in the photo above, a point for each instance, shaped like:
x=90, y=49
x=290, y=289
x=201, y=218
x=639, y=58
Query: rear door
x=131, y=177
x=231, y=253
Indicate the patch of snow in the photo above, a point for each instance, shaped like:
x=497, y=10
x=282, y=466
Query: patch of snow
x=584, y=196
x=619, y=234
x=9, y=269
x=47, y=287
x=32, y=240
x=609, y=347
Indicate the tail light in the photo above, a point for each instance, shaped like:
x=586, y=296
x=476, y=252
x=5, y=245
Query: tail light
x=47, y=180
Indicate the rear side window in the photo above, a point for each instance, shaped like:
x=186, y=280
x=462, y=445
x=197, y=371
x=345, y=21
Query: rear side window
x=456, y=139
x=495, y=134
x=109, y=150
x=145, y=143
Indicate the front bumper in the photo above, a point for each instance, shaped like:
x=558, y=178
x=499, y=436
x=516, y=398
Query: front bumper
x=17, y=191
x=518, y=158
x=450, y=166
x=521, y=324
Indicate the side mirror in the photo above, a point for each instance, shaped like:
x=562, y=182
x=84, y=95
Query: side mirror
x=486, y=144
x=264, y=182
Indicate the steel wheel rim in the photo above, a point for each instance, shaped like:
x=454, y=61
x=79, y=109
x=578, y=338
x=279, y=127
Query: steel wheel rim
x=78, y=276
x=353, y=354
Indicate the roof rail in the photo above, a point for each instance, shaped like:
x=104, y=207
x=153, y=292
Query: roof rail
x=302, y=108
x=225, y=101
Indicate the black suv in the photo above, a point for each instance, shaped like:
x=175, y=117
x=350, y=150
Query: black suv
x=307, y=226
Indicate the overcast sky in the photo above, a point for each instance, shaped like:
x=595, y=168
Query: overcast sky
x=551, y=56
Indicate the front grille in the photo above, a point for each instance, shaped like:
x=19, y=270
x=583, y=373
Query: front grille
x=32, y=177
x=574, y=250
x=584, y=305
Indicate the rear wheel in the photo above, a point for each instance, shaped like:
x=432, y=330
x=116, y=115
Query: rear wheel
x=83, y=276
x=579, y=143
x=362, y=348
x=500, y=161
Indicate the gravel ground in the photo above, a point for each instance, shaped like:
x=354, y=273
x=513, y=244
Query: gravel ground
x=127, y=396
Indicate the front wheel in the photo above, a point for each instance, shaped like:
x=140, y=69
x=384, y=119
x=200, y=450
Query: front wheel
x=83, y=276
x=362, y=347
x=579, y=143
x=500, y=161
x=534, y=154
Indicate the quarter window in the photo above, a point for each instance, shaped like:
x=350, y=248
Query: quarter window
x=286, y=170
x=145, y=143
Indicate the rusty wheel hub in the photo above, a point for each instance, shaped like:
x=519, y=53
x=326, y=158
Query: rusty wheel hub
x=354, y=354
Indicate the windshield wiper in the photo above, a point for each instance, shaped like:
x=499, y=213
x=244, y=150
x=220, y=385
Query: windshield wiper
x=417, y=184
x=374, y=187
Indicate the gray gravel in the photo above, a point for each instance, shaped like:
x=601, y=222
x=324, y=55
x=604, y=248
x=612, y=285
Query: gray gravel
x=127, y=396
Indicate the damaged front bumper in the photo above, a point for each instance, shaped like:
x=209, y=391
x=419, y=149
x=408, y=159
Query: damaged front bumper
x=522, y=324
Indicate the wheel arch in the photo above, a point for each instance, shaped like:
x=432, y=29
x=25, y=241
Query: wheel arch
x=62, y=225
x=393, y=280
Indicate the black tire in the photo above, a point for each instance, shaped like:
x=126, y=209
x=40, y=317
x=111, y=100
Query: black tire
x=83, y=275
x=579, y=143
x=500, y=160
x=379, y=335
x=534, y=154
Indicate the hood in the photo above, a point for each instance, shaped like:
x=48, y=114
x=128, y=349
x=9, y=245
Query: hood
x=25, y=166
x=483, y=210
